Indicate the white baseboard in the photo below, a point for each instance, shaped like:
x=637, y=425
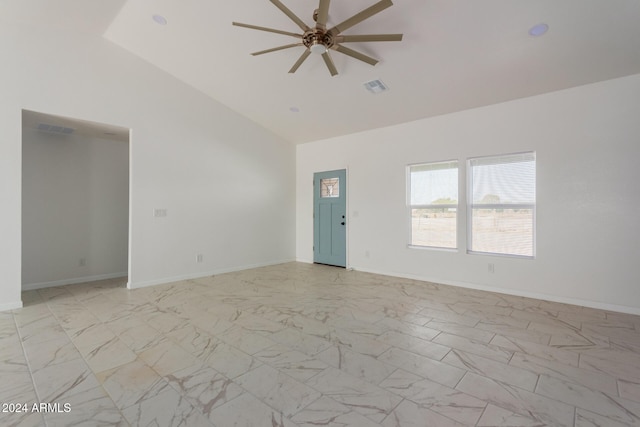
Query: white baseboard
x=146, y=283
x=42, y=285
x=10, y=306
x=546, y=297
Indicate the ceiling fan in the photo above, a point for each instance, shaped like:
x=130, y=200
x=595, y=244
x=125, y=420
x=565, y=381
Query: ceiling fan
x=319, y=40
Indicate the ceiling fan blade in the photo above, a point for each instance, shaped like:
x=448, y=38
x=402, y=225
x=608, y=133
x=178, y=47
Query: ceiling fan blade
x=323, y=14
x=369, y=38
x=270, y=30
x=277, y=48
x=300, y=60
x=359, y=17
x=330, y=65
x=354, y=54
x=291, y=15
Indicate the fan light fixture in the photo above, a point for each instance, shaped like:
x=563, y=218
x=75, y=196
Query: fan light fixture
x=320, y=40
x=317, y=47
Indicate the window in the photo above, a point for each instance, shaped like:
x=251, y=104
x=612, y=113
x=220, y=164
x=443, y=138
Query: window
x=502, y=204
x=330, y=187
x=433, y=202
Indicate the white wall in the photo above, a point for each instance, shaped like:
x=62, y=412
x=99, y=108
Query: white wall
x=587, y=141
x=228, y=185
x=75, y=205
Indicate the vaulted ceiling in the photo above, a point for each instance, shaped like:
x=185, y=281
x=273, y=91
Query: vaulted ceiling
x=455, y=55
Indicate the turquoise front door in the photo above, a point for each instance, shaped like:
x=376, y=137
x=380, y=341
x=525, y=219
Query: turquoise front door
x=329, y=218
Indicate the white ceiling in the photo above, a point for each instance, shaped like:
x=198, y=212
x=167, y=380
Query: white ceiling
x=456, y=54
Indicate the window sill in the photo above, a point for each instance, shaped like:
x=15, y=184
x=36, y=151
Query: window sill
x=494, y=254
x=433, y=248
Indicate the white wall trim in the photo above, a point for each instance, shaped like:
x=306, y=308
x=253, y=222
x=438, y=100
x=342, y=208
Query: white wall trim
x=42, y=285
x=10, y=306
x=146, y=283
x=535, y=295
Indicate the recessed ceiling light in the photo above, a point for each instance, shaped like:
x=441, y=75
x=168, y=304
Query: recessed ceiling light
x=538, y=30
x=294, y=109
x=159, y=19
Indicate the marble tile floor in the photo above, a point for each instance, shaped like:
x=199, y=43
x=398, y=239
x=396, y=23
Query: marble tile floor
x=311, y=345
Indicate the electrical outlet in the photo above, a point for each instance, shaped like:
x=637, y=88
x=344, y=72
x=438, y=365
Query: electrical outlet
x=492, y=268
x=199, y=258
x=159, y=213
x=82, y=262
x=367, y=254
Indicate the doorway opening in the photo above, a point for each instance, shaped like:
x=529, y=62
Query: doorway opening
x=75, y=201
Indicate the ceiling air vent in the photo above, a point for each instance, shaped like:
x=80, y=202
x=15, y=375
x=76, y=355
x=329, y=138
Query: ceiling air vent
x=376, y=86
x=61, y=130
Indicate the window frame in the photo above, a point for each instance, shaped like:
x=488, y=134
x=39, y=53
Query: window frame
x=510, y=206
x=411, y=207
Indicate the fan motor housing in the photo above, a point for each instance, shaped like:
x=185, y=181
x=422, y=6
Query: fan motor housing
x=314, y=37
